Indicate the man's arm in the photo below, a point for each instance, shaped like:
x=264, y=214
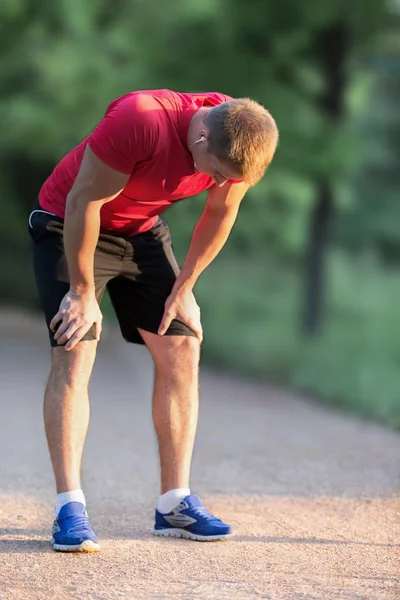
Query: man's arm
x=209, y=236
x=95, y=185
x=211, y=231
x=128, y=133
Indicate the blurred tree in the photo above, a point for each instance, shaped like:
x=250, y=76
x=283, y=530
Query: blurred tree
x=332, y=47
x=373, y=220
x=65, y=61
x=297, y=59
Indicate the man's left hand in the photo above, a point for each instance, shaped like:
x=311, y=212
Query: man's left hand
x=182, y=305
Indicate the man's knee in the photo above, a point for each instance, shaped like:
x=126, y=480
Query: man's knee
x=73, y=367
x=178, y=353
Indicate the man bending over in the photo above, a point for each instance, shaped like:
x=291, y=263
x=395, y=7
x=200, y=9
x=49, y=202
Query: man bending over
x=97, y=225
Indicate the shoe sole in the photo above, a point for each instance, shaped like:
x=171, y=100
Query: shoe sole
x=181, y=533
x=86, y=546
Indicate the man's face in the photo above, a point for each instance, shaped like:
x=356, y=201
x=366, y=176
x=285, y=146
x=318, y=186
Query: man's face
x=209, y=164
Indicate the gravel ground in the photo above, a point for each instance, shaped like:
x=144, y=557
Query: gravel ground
x=313, y=496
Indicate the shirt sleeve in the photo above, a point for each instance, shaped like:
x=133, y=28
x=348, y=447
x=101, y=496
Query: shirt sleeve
x=128, y=133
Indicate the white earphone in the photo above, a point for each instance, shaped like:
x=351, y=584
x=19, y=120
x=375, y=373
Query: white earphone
x=201, y=139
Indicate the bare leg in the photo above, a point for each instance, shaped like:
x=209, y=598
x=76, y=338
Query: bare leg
x=175, y=404
x=66, y=411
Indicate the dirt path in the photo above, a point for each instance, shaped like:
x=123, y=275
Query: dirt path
x=313, y=496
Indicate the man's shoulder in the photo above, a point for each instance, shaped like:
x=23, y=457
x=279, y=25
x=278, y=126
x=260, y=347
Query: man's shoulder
x=145, y=100
x=211, y=97
x=168, y=94
x=177, y=100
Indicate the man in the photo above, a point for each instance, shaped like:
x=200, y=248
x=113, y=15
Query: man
x=97, y=226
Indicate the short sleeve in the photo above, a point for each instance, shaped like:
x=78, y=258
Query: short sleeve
x=128, y=133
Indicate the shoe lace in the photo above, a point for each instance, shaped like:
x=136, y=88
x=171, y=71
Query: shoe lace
x=77, y=523
x=204, y=515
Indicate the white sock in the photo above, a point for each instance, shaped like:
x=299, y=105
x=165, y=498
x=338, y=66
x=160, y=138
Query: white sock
x=170, y=499
x=72, y=496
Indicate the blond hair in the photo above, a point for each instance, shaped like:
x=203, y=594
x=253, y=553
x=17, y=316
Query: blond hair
x=244, y=134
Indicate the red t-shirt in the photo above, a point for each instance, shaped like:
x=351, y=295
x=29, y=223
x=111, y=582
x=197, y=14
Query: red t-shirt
x=143, y=133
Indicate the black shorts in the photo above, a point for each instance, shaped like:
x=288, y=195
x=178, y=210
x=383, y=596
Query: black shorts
x=138, y=272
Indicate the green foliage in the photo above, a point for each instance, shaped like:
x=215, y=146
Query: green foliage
x=72, y=58
x=251, y=326
x=17, y=283
x=373, y=220
x=63, y=62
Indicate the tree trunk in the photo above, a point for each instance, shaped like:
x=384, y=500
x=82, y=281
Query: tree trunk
x=332, y=48
x=319, y=230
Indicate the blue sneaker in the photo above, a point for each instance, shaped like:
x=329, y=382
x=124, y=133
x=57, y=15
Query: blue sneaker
x=72, y=531
x=192, y=521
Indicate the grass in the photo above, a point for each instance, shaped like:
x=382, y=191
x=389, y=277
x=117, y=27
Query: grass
x=251, y=322
x=251, y=319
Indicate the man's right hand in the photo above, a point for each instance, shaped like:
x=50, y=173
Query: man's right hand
x=76, y=315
